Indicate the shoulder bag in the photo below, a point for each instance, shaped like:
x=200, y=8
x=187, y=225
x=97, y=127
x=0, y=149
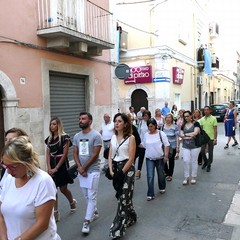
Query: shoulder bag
x=202, y=138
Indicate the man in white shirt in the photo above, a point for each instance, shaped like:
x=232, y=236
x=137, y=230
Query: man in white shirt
x=107, y=131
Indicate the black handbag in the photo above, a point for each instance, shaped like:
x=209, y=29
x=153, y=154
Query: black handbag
x=72, y=171
x=202, y=138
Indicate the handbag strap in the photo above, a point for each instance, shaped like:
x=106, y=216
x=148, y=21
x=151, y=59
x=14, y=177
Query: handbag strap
x=120, y=146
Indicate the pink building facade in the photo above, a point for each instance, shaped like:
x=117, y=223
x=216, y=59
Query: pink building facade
x=55, y=60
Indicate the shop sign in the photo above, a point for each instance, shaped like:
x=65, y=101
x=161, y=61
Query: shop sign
x=142, y=74
x=178, y=75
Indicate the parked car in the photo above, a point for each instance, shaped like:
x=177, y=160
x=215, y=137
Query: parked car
x=219, y=111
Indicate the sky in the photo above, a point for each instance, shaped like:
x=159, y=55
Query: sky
x=226, y=14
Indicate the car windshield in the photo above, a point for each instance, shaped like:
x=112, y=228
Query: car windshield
x=218, y=106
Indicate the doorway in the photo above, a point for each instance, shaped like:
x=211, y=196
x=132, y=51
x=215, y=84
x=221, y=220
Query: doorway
x=139, y=99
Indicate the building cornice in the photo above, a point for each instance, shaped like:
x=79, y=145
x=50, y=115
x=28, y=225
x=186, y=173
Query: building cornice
x=163, y=52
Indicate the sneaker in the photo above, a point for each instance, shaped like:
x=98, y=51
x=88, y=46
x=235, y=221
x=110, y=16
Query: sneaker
x=239, y=147
x=95, y=216
x=162, y=191
x=235, y=144
x=86, y=227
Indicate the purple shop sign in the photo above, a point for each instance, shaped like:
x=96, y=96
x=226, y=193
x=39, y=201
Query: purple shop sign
x=178, y=75
x=142, y=74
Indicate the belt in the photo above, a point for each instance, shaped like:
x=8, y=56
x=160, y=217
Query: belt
x=155, y=159
x=107, y=140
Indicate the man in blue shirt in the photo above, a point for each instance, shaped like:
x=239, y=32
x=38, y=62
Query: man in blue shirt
x=166, y=109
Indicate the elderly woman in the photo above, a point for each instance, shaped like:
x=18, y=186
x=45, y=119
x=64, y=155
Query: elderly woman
x=28, y=195
x=159, y=118
x=171, y=130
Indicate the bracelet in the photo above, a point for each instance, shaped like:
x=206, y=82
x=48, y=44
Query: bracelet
x=56, y=168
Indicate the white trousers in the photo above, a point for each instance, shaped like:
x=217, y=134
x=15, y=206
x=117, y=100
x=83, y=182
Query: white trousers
x=190, y=157
x=90, y=195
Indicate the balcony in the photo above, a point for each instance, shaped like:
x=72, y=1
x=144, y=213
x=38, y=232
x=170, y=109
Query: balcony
x=79, y=26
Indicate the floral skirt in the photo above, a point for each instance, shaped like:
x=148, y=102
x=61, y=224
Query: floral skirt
x=126, y=215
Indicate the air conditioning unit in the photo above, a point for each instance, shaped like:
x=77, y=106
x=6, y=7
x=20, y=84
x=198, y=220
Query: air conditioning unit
x=213, y=29
x=199, y=81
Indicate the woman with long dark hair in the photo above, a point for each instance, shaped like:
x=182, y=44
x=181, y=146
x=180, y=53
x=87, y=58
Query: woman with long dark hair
x=121, y=167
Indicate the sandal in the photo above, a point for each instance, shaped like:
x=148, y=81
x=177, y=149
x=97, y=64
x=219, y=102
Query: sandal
x=235, y=144
x=169, y=178
x=73, y=206
x=138, y=174
x=185, y=181
x=149, y=198
x=226, y=146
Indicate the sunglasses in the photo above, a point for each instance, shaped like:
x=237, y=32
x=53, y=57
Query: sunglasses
x=11, y=167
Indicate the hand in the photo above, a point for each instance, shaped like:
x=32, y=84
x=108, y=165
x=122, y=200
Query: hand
x=51, y=171
x=215, y=141
x=165, y=159
x=177, y=156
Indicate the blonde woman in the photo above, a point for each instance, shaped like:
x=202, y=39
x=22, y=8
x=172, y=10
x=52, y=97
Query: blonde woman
x=172, y=133
x=28, y=195
x=159, y=118
x=58, y=143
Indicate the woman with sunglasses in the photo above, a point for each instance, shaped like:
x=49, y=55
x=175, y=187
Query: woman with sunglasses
x=156, y=157
x=9, y=136
x=28, y=195
x=189, y=130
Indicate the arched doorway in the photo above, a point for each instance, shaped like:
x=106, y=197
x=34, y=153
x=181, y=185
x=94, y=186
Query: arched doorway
x=139, y=99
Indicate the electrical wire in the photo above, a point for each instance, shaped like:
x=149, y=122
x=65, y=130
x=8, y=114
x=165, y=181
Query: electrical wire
x=34, y=46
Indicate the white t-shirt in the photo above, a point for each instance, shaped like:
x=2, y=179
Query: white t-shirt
x=153, y=145
x=2, y=181
x=107, y=131
x=18, y=204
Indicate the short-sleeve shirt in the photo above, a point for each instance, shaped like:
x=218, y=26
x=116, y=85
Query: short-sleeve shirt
x=85, y=142
x=18, y=204
x=153, y=145
x=172, y=133
x=107, y=130
x=208, y=124
x=189, y=143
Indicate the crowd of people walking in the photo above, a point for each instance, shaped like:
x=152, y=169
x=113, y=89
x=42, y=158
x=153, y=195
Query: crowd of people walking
x=128, y=140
